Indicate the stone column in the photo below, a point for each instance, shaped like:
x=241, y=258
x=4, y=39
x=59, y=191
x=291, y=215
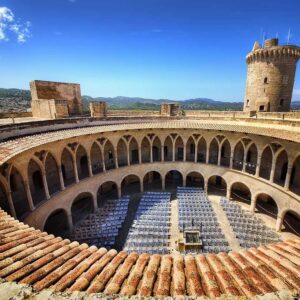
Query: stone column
x=228, y=193
x=231, y=159
x=184, y=152
x=142, y=186
x=46, y=189
x=11, y=204
x=28, y=194
x=70, y=221
x=61, y=178
x=207, y=154
x=90, y=166
x=219, y=155
x=252, y=205
x=244, y=161
x=116, y=158
x=258, y=166
x=128, y=155
x=140, y=154
x=162, y=153
x=273, y=170
x=196, y=154
x=184, y=181
x=75, y=170
x=163, y=183
x=288, y=177
x=103, y=161
x=151, y=152
x=119, y=192
x=279, y=222
x=173, y=152
x=205, y=186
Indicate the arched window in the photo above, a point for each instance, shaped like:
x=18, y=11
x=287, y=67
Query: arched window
x=265, y=80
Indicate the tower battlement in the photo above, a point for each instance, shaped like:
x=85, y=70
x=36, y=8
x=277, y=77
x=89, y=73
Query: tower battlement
x=271, y=76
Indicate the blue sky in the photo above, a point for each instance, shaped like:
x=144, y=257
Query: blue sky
x=173, y=49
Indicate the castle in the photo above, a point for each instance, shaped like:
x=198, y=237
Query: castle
x=164, y=204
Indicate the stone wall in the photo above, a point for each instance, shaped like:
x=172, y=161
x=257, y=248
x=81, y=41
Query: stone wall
x=98, y=109
x=47, y=90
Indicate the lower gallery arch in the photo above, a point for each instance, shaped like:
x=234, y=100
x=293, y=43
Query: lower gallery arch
x=57, y=223
x=240, y=192
x=81, y=207
x=265, y=204
x=216, y=185
x=36, y=182
x=130, y=185
x=291, y=222
x=152, y=181
x=107, y=190
x=195, y=179
x=4, y=200
x=18, y=194
x=173, y=179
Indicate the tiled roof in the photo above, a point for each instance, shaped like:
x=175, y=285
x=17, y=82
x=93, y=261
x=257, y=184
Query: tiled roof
x=10, y=148
x=29, y=256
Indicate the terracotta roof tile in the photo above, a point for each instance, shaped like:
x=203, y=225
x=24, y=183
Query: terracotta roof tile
x=43, y=261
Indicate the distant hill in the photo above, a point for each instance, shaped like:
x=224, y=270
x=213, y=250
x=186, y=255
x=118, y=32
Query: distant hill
x=19, y=100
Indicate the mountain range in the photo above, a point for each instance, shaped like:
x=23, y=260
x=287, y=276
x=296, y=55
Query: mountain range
x=19, y=100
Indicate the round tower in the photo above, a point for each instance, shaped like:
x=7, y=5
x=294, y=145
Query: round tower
x=271, y=76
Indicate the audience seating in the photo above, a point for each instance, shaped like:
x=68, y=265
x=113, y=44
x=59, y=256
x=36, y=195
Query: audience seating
x=151, y=227
x=249, y=230
x=196, y=213
x=102, y=227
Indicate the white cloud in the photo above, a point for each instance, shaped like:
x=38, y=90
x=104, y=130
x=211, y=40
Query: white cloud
x=8, y=25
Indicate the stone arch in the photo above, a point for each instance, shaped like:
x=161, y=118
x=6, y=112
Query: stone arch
x=225, y=153
x=36, y=184
x=145, y=148
x=179, y=149
x=281, y=167
x=57, y=222
x=4, y=199
x=96, y=159
x=133, y=151
x=216, y=185
x=190, y=149
x=67, y=167
x=238, y=156
x=82, y=163
x=52, y=175
x=152, y=181
x=201, y=150
x=168, y=149
x=213, y=151
x=295, y=176
x=18, y=193
x=81, y=207
x=239, y=191
x=156, y=149
x=195, y=179
x=251, y=159
x=266, y=204
x=109, y=155
x=291, y=222
x=266, y=163
x=122, y=153
x=130, y=184
x=173, y=179
x=107, y=190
